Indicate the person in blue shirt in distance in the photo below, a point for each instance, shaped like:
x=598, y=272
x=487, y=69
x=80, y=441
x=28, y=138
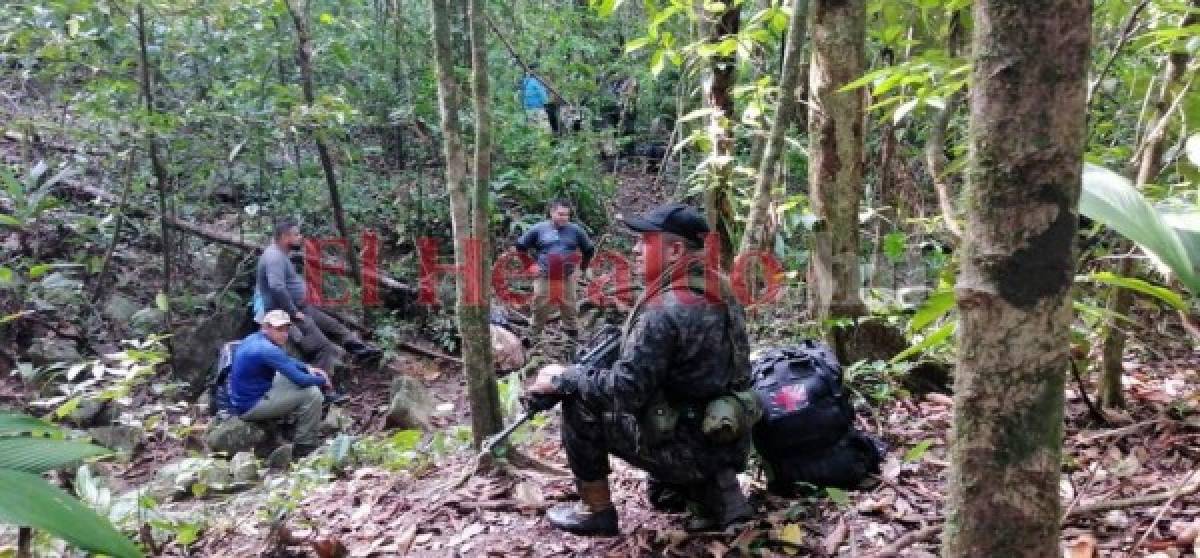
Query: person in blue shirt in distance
x=266, y=384
x=534, y=98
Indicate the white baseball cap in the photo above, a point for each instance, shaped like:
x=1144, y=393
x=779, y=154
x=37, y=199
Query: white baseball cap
x=276, y=318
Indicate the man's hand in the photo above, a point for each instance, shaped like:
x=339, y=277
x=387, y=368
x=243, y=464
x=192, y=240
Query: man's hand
x=300, y=316
x=543, y=385
x=321, y=373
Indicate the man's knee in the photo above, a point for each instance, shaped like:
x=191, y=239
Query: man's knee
x=313, y=396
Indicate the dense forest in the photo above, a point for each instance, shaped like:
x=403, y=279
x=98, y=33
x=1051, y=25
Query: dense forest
x=976, y=221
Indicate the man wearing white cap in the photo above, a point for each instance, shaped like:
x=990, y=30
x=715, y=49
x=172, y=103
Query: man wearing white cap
x=266, y=384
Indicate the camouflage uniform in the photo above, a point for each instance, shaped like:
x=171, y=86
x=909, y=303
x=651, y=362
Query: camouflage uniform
x=682, y=350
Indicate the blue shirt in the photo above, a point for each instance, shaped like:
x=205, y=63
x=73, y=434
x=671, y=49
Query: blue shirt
x=533, y=93
x=557, y=243
x=255, y=363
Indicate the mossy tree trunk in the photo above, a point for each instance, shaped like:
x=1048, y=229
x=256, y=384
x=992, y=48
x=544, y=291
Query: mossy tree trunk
x=1147, y=168
x=718, y=95
x=835, y=173
x=161, y=175
x=756, y=233
x=471, y=294
x=304, y=52
x=486, y=416
x=1026, y=156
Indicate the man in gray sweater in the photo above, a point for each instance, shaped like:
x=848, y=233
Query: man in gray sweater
x=279, y=287
x=562, y=250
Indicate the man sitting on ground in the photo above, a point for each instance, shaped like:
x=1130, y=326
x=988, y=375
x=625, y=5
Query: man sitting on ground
x=279, y=287
x=266, y=384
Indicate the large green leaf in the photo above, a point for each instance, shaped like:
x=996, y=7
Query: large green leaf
x=1111, y=199
x=935, y=338
x=937, y=305
x=1171, y=298
x=16, y=423
x=27, y=500
x=36, y=454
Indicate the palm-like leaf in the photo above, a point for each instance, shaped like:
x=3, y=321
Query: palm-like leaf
x=27, y=499
x=16, y=423
x=38, y=454
x=1111, y=199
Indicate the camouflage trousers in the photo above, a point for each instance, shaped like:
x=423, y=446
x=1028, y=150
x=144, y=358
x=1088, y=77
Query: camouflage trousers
x=685, y=458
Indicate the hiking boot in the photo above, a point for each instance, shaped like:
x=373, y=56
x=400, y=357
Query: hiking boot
x=335, y=398
x=363, y=352
x=592, y=515
x=665, y=497
x=719, y=504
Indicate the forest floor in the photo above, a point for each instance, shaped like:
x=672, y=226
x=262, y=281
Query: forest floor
x=1130, y=486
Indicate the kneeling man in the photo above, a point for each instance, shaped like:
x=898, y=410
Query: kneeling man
x=267, y=384
x=684, y=357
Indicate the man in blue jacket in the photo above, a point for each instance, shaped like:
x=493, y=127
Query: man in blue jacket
x=266, y=384
x=534, y=99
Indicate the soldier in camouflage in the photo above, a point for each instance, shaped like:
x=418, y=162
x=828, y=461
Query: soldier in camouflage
x=684, y=349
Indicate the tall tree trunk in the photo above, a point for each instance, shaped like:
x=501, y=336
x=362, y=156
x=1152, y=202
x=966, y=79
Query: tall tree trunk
x=835, y=176
x=718, y=96
x=1147, y=166
x=160, y=176
x=755, y=235
x=304, y=57
x=935, y=159
x=1028, y=99
x=486, y=416
x=470, y=296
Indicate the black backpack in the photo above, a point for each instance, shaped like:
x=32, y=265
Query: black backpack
x=804, y=405
x=807, y=433
x=218, y=380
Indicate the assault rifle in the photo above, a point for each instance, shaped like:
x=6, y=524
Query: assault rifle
x=601, y=351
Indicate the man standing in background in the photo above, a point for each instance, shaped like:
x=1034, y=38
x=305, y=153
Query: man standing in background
x=536, y=100
x=560, y=247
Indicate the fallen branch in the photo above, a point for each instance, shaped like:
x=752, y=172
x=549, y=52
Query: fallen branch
x=1093, y=410
x=410, y=347
x=507, y=504
x=834, y=539
x=197, y=230
x=428, y=352
x=925, y=533
x=1122, y=431
x=1161, y=510
x=22, y=138
x=921, y=535
x=512, y=51
x=1187, y=489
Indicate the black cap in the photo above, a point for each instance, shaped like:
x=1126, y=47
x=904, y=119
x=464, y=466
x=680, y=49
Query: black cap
x=675, y=218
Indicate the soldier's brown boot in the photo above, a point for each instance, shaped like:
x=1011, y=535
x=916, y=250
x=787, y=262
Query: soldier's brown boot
x=720, y=504
x=593, y=515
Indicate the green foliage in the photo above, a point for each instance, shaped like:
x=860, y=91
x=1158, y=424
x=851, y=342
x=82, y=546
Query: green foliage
x=917, y=452
x=928, y=341
x=29, y=446
x=38, y=454
x=874, y=381
x=26, y=499
x=112, y=377
x=1171, y=239
x=1141, y=286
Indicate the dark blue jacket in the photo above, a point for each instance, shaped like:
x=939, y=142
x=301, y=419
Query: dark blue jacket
x=255, y=363
x=549, y=241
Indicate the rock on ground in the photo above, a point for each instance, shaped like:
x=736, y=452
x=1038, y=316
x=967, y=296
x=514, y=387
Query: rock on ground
x=411, y=405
